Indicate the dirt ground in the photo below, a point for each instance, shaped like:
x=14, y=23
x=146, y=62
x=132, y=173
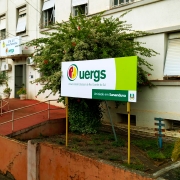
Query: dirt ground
x=7, y=176
x=103, y=146
x=172, y=174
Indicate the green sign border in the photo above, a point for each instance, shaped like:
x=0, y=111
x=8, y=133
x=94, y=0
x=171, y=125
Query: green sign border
x=114, y=95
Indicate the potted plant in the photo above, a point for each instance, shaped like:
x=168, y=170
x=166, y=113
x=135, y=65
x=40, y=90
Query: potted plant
x=22, y=93
x=7, y=92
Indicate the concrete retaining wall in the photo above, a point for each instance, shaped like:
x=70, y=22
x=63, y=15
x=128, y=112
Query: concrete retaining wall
x=64, y=165
x=43, y=161
x=47, y=128
x=13, y=158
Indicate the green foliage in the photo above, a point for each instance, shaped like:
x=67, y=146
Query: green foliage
x=100, y=150
x=77, y=40
x=137, y=166
x=7, y=90
x=21, y=91
x=146, y=145
x=152, y=149
x=86, y=38
x=76, y=139
x=156, y=155
x=3, y=78
x=176, y=151
x=114, y=157
x=84, y=115
x=119, y=143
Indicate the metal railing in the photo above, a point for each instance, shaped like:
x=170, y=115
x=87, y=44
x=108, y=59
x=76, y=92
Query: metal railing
x=14, y=110
x=3, y=103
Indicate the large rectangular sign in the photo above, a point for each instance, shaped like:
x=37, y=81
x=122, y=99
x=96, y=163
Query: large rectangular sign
x=11, y=46
x=106, y=79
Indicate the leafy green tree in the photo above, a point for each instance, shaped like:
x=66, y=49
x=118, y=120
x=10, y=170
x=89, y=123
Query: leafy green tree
x=86, y=38
x=3, y=78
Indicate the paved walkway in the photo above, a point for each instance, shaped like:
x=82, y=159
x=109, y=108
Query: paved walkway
x=21, y=123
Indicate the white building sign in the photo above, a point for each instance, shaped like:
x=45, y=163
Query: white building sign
x=11, y=46
x=107, y=79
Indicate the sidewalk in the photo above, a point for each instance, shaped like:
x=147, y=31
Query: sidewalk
x=21, y=123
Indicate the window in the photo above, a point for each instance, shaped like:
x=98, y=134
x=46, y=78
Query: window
x=2, y=27
x=79, y=6
x=123, y=119
x=172, y=62
x=48, y=13
x=121, y=2
x=21, y=24
x=2, y=68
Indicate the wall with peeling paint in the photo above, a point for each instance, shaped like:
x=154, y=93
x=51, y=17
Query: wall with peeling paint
x=43, y=161
x=47, y=128
x=64, y=165
x=13, y=158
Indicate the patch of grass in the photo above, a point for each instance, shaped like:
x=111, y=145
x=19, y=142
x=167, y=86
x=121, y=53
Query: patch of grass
x=75, y=148
x=97, y=142
x=101, y=156
x=156, y=155
x=90, y=142
x=111, y=137
x=146, y=145
x=119, y=143
x=100, y=150
x=177, y=173
x=114, y=157
x=90, y=149
x=139, y=167
x=103, y=137
x=176, y=151
x=76, y=139
x=60, y=142
x=152, y=149
x=42, y=136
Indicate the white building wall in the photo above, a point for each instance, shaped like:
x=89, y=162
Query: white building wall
x=34, y=13
x=98, y=6
x=63, y=10
x=159, y=102
x=158, y=43
x=149, y=14
x=159, y=16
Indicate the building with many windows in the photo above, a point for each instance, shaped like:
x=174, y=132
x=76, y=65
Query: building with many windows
x=23, y=20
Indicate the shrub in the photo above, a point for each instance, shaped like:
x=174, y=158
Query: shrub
x=84, y=115
x=76, y=40
x=176, y=151
x=21, y=91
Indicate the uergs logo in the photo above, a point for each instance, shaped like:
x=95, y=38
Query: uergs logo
x=72, y=72
x=131, y=96
x=96, y=75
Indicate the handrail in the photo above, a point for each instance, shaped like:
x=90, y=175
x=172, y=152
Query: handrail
x=13, y=111
x=1, y=103
x=28, y=106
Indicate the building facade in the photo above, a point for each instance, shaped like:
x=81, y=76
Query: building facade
x=24, y=20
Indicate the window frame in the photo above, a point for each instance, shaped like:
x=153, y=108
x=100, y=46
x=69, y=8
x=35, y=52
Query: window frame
x=21, y=18
x=172, y=58
x=2, y=34
x=78, y=8
x=47, y=15
x=3, y=29
x=121, y=2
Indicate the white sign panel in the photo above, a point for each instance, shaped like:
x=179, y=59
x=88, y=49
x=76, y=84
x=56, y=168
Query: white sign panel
x=11, y=46
x=108, y=79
